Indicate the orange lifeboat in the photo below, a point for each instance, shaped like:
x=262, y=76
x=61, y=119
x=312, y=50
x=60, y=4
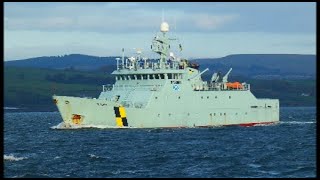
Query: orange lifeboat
x=234, y=85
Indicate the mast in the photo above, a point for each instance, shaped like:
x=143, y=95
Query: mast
x=122, y=58
x=160, y=44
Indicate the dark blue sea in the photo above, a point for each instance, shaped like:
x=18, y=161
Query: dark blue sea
x=32, y=148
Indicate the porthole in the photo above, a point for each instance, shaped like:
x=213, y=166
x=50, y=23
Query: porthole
x=229, y=97
x=156, y=97
x=207, y=97
x=216, y=97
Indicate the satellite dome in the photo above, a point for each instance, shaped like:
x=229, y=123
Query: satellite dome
x=164, y=27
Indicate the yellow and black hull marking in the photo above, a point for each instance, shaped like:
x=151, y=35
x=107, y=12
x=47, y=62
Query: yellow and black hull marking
x=121, y=117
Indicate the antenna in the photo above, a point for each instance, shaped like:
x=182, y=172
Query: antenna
x=117, y=63
x=122, y=58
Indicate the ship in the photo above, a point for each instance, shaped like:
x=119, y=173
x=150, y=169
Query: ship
x=167, y=92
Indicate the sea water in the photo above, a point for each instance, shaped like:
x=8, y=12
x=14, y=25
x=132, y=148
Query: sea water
x=35, y=147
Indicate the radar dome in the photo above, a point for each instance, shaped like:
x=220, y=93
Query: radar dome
x=164, y=27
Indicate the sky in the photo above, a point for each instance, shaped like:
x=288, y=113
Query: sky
x=205, y=29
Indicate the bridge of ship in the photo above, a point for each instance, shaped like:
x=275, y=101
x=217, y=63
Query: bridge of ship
x=154, y=80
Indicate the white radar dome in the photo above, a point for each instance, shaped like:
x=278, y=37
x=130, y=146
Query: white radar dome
x=164, y=27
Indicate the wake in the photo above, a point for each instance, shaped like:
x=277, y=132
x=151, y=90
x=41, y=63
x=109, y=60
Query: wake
x=69, y=126
x=297, y=122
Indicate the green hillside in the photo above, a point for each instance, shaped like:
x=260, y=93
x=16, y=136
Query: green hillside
x=33, y=88
x=30, y=87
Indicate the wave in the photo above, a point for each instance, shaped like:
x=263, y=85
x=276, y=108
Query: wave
x=297, y=122
x=10, y=108
x=269, y=124
x=93, y=156
x=11, y=157
x=62, y=125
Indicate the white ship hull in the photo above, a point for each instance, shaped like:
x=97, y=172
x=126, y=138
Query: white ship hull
x=164, y=114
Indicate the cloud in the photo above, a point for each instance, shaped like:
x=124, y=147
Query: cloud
x=107, y=17
x=56, y=28
x=211, y=22
x=27, y=44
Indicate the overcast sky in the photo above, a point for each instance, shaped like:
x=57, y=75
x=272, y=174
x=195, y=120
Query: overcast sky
x=206, y=29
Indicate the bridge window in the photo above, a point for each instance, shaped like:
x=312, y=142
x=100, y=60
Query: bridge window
x=139, y=76
x=144, y=76
x=169, y=76
x=161, y=76
x=175, y=82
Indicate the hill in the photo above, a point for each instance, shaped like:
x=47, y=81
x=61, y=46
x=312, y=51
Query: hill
x=259, y=66
x=33, y=87
x=264, y=65
x=72, y=61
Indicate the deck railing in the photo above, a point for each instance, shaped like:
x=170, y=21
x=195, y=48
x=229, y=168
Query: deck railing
x=110, y=87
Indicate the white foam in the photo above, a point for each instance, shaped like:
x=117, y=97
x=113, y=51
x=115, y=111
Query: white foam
x=13, y=158
x=10, y=108
x=93, y=156
x=268, y=124
x=254, y=165
x=297, y=122
x=62, y=125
